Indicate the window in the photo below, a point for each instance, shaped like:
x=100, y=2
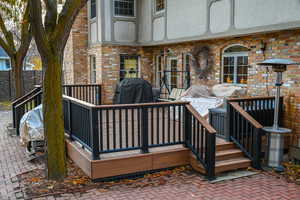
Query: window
x=235, y=65
x=93, y=11
x=7, y=63
x=93, y=69
x=124, y=8
x=187, y=71
x=173, y=73
x=129, y=66
x=159, y=5
x=159, y=70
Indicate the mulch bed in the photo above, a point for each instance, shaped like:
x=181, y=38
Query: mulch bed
x=35, y=184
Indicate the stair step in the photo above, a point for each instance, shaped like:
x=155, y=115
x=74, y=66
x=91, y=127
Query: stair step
x=232, y=164
x=225, y=146
x=228, y=154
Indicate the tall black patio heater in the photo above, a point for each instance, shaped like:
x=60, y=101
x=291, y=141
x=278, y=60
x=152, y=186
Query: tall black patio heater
x=276, y=133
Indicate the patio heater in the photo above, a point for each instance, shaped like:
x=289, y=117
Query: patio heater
x=275, y=133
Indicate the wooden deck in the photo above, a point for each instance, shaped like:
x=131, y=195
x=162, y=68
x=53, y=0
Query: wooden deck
x=131, y=162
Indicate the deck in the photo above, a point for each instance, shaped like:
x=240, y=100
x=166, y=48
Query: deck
x=134, y=162
x=114, y=140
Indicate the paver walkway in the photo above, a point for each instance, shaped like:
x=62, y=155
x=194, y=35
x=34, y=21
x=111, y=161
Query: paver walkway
x=191, y=186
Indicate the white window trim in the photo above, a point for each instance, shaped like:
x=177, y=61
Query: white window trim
x=124, y=16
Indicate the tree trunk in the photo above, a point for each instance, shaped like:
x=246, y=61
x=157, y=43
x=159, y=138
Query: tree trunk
x=53, y=117
x=18, y=77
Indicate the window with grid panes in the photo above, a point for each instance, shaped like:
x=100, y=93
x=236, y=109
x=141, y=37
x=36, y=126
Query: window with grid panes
x=129, y=66
x=235, y=65
x=124, y=8
x=159, y=5
x=93, y=69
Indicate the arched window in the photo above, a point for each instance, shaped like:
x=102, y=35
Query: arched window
x=235, y=65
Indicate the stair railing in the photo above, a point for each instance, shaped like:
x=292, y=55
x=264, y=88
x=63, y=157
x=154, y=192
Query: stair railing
x=201, y=139
x=16, y=102
x=25, y=106
x=245, y=132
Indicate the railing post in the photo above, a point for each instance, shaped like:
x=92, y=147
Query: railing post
x=187, y=127
x=70, y=120
x=145, y=147
x=257, y=149
x=94, y=128
x=99, y=95
x=210, y=154
x=69, y=91
x=228, y=121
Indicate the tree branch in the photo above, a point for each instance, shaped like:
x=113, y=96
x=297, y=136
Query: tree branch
x=51, y=15
x=7, y=34
x=66, y=20
x=35, y=17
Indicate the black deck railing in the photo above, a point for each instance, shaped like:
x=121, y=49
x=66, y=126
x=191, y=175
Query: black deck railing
x=260, y=108
x=245, y=132
x=242, y=122
x=115, y=128
x=201, y=140
x=19, y=101
x=88, y=93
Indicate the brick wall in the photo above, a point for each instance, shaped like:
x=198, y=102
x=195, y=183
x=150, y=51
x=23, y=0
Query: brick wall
x=281, y=44
x=76, y=59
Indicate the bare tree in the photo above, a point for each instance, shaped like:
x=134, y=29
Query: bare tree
x=51, y=34
x=15, y=36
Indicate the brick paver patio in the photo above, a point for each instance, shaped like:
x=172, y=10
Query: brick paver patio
x=191, y=186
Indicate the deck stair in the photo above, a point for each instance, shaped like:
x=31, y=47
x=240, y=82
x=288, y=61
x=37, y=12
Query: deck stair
x=228, y=158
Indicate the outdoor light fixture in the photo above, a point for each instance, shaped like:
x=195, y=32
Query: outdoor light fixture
x=276, y=133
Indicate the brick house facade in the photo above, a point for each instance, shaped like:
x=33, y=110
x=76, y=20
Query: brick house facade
x=260, y=81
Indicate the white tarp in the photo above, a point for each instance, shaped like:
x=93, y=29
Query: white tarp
x=203, y=104
x=31, y=126
x=203, y=98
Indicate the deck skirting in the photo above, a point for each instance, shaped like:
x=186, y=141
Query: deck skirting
x=127, y=164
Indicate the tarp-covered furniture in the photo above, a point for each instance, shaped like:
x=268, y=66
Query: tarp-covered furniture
x=133, y=90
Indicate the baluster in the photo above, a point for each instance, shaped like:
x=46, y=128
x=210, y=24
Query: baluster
x=174, y=125
x=144, y=130
x=138, y=110
x=126, y=126
x=163, y=125
x=187, y=127
x=120, y=128
x=107, y=130
x=101, y=130
x=179, y=122
x=152, y=126
x=133, y=127
x=157, y=125
x=169, y=125
x=114, y=128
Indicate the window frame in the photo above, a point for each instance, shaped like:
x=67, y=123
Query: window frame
x=124, y=16
x=137, y=69
x=157, y=12
x=93, y=69
x=95, y=10
x=235, y=55
x=159, y=63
